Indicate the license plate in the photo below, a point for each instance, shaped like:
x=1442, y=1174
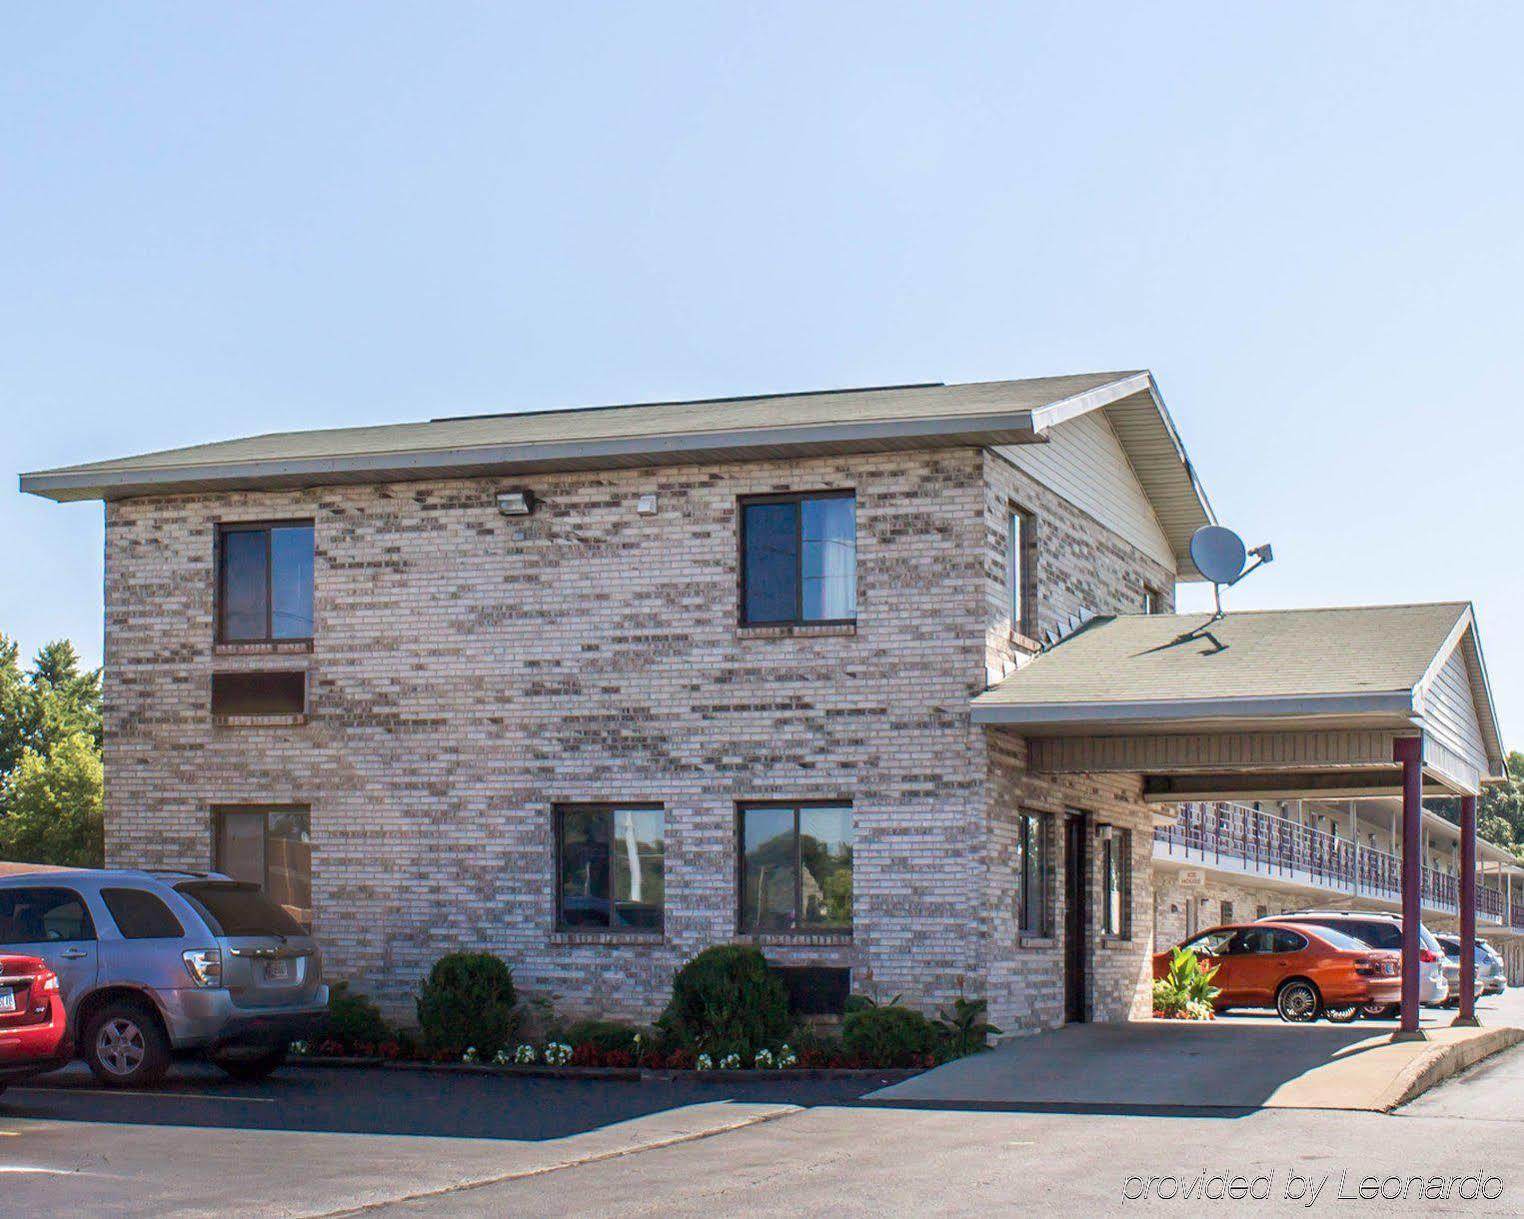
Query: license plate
x=7, y=1000
x=279, y=971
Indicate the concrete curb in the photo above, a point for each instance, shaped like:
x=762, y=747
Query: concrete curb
x=1445, y=1061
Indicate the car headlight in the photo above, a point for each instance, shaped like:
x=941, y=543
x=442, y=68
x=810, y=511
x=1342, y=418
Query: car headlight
x=204, y=965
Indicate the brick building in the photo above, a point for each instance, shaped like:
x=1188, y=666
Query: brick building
x=596, y=689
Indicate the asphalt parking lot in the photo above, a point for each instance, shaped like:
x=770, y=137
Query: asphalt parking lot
x=330, y=1141
x=430, y=1104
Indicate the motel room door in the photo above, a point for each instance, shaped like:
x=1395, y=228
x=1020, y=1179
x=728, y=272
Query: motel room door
x=1076, y=915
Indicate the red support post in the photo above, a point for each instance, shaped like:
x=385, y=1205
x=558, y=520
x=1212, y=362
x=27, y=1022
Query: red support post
x=1467, y=1014
x=1409, y=752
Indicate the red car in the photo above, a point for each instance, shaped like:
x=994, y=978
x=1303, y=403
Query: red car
x=32, y=1022
x=1300, y=970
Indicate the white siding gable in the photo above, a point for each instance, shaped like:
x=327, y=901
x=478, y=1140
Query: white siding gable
x=1449, y=707
x=1083, y=461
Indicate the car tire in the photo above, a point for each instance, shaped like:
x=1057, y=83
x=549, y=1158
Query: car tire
x=251, y=1068
x=124, y=1045
x=1343, y=1015
x=1380, y=1011
x=1298, y=1002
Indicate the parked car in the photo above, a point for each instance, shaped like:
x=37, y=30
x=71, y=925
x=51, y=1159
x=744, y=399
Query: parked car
x=1497, y=972
x=152, y=964
x=1298, y=970
x=1378, y=929
x=1491, y=975
x=32, y=1020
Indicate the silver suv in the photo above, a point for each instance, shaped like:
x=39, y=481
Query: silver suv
x=152, y=964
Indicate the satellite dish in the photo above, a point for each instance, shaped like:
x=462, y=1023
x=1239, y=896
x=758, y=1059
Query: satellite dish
x=1219, y=553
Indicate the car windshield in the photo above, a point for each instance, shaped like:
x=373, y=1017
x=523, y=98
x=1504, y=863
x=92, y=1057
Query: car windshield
x=1452, y=949
x=232, y=909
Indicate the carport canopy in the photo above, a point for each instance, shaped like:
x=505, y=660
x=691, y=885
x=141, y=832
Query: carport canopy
x=1281, y=703
x=1260, y=704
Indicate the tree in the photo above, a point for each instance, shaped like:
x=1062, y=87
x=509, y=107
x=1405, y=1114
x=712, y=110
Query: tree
x=1499, y=811
x=50, y=757
x=53, y=805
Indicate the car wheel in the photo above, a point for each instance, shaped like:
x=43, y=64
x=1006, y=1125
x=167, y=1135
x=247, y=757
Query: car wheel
x=1298, y=1002
x=252, y=1067
x=125, y=1047
x=1342, y=1015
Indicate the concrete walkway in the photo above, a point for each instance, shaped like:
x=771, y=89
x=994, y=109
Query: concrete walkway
x=1228, y=1064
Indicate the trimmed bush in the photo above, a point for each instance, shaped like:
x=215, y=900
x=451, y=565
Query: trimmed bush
x=468, y=1001
x=354, y=1021
x=891, y=1036
x=605, y=1035
x=726, y=1000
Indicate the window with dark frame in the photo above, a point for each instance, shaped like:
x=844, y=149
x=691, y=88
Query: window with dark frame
x=796, y=869
x=611, y=868
x=259, y=693
x=1153, y=600
x=1116, y=882
x=1033, y=868
x=1021, y=540
x=264, y=582
x=1227, y=912
x=270, y=846
x=799, y=558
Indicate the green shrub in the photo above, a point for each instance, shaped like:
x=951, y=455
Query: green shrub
x=468, y=1000
x=890, y=1036
x=1186, y=991
x=964, y=1027
x=354, y=1019
x=726, y=1000
x=605, y=1034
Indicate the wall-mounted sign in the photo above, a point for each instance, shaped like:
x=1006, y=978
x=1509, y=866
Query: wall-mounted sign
x=1191, y=876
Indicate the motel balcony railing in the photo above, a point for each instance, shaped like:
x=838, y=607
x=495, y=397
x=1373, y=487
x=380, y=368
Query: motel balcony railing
x=1250, y=842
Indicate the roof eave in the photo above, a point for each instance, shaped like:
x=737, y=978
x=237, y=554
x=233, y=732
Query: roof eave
x=1153, y=715
x=64, y=485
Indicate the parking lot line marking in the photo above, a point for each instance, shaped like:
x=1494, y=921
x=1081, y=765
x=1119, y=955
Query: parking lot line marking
x=247, y=1100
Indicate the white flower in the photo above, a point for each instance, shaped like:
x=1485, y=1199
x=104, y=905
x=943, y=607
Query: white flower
x=787, y=1058
x=470, y=1055
x=502, y=1058
x=300, y=1048
x=763, y=1060
x=557, y=1053
x=703, y=1063
x=731, y=1062
x=525, y=1055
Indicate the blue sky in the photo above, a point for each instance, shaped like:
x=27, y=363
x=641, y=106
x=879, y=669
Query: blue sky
x=1305, y=218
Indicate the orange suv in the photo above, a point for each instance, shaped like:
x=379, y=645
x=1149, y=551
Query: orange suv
x=1301, y=971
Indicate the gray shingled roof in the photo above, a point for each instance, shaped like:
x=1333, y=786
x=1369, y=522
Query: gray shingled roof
x=1162, y=658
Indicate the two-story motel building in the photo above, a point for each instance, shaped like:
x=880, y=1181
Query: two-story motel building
x=595, y=689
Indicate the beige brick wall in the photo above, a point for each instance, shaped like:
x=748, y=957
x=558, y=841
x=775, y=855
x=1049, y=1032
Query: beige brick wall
x=471, y=671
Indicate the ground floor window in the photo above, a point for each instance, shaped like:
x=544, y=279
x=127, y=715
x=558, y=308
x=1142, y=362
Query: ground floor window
x=1227, y=912
x=796, y=868
x=1116, y=881
x=612, y=866
x=269, y=847
x=1034, y=857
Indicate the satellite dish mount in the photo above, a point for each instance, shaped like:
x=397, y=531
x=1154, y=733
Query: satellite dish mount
x=1220, y=556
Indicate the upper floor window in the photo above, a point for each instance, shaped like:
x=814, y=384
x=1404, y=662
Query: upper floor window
x=264, y=582
x=1153, y=600
x=1021, y=572
x=799, y=558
